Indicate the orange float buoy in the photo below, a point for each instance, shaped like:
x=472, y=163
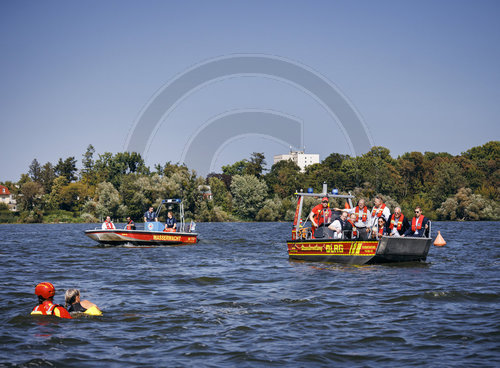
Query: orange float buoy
x=439, y=242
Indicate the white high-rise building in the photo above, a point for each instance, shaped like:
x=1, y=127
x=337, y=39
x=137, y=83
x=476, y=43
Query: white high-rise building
x=300, y=158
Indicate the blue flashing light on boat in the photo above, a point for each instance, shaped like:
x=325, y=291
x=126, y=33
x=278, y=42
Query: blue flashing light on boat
x=335, y=191
x=310, y=190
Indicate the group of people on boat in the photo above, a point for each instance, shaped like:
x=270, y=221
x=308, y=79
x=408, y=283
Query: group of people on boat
x=149, y=216
x=359, y=223
x=73, y=304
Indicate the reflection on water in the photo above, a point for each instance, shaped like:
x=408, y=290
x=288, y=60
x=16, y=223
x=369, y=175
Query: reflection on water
x=235, y=299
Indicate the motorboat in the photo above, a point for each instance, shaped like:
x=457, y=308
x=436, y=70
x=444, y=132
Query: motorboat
x=323, y=247
x=153, y=233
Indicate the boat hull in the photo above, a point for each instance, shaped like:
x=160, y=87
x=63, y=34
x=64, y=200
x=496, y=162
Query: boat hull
x=140, y=237
x=359, y=252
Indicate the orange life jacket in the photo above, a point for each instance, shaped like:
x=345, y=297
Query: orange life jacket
x=347, y=206
x=354, y=230
x=416, y=224
x=399, y=222
x=323, y=215
x=378, y=211
x=365, y=213
x=47, y=308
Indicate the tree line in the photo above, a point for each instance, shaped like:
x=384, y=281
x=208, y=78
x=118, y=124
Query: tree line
x=447, y=187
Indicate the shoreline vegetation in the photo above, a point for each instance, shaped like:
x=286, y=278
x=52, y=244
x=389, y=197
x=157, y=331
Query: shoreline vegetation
x=465, y=187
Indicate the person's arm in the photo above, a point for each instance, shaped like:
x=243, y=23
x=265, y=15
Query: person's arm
x=61, y=312
x=103, y=226
x=311, y=218
x=87, y=304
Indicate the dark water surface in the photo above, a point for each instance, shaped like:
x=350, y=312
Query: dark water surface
x=235, y=299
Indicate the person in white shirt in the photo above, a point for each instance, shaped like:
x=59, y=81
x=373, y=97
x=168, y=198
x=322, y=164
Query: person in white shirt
x=108, y=225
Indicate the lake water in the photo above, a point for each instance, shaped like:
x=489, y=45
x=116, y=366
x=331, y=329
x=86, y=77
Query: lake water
x=235, y=299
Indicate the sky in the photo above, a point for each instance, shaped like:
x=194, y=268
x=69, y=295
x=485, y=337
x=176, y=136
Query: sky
x=419, y=75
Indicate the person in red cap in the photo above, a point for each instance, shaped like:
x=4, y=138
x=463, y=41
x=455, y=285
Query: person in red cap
x=320, y=214
x=46, y=307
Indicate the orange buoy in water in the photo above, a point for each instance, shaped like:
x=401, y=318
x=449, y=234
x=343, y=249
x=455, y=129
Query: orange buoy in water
x=439, y=242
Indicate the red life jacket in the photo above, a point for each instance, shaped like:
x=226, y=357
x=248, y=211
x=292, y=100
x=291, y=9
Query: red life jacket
x=399, y=222
x=47, y=308
x=378, y=211
x=354, y=230
x=381, y=231
x=109, y=225
x=365, y=213
x=347, y=206
x=416, y=224
x=322, y=215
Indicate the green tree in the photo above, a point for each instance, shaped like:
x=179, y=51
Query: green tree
x=221, y=196
x=255, y=165
x=30, y=196
x=238, y=168
x=35, y=170
x=67, y=168
x=249, y=194
x=108, y=200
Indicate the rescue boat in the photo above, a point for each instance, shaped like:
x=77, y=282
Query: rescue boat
x=304, y=246
x=152, y=234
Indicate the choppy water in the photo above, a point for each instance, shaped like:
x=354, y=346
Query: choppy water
x=235, y=299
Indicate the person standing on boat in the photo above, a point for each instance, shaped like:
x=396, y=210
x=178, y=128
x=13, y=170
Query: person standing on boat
x=380, y=210
x=419, y=224
x=149, y=215
x=46, y=307
x=108, y=225
x=171, y=222
x=130, y=224
x=398, y=223
x=363, y=219
x=320, y=215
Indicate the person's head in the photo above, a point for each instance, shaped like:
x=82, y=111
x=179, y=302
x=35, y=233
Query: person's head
x=169, y=214
x=343, y=216
x=72, y=296
x=45, y=291
x=129, y=219
x=150, y=209
x=361, y=203
x=381, y=222
x=378, y=201
x=324, y=201
x=418, y=211
x=108, y=219
x=353, y=217
x=397, y=212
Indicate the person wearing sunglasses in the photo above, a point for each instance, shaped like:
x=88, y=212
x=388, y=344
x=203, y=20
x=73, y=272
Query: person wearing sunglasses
x=419, y=224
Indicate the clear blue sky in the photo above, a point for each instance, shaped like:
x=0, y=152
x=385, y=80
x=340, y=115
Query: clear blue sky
x=424, y=75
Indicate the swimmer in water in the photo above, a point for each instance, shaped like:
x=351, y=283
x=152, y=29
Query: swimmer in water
x=75, y=304
x=46, y=307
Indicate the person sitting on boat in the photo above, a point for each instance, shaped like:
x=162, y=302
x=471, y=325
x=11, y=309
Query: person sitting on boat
x=320, y=215
x=108, y=225
x=170, y=223
x=398, y=223
x=419, y=224
x=379, y=229
x=336, y=227
x=352, y=221
x=363, y=219
x=380, y=210
x=75, y=305
x=149, y=215
x=130, y=224
x=346, y=226
x=46, y=307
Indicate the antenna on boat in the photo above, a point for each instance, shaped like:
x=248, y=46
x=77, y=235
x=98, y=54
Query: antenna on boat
x=325, y=188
